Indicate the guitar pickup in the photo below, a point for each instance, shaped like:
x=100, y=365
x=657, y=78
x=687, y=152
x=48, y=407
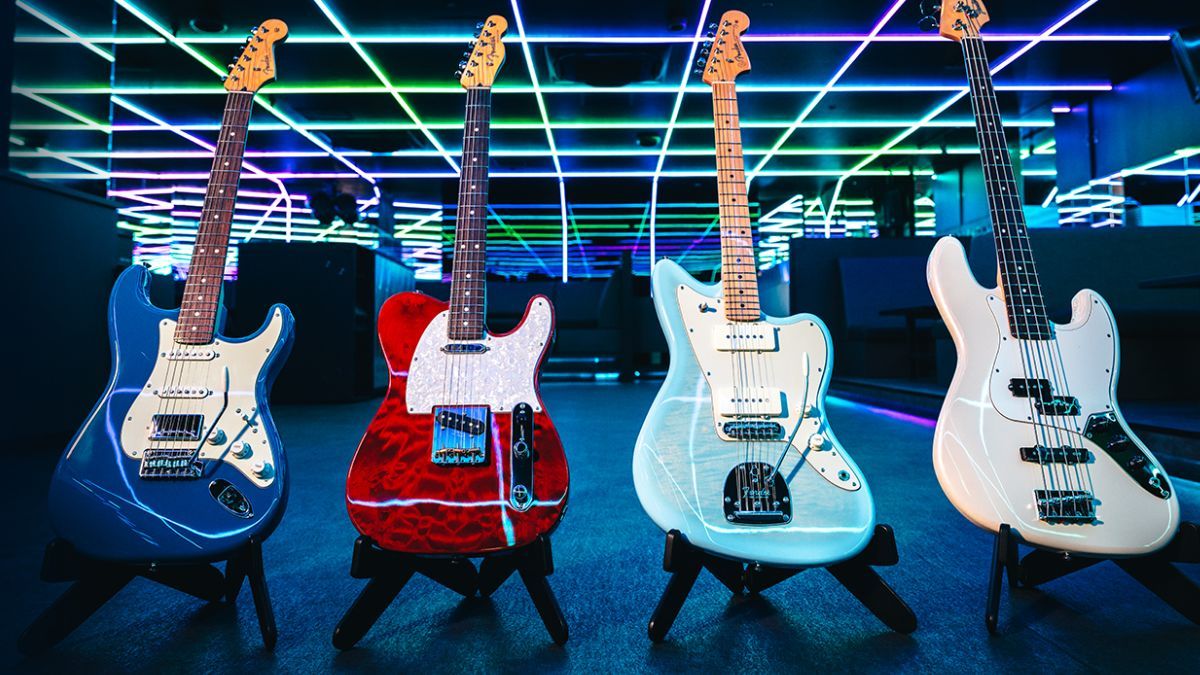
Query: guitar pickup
x=745, y=337
x=1040, y=454
x=749, y=401
x=460, y=435
x=1042, y=393
x=521, y=495
x=177, y=427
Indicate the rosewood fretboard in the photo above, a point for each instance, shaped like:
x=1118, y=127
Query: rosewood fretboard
x=739, y=273
x=202, y=291
x=1018, y=276
x=468, y=290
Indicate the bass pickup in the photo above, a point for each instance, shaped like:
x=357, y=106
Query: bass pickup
x=1040, y=454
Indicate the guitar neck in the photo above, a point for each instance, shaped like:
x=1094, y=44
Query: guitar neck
x=202, y=291
x=468, y=290
x=739, y=277
x=1018, y=275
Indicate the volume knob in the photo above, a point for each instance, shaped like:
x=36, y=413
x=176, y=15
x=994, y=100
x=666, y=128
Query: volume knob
x=263, y=469
x=217, y=437
x=816, y=441
x=242, y=450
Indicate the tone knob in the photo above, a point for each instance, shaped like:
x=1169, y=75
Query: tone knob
x=263, y=469
x=816, y=441
x=242, y=450
x=217, y=437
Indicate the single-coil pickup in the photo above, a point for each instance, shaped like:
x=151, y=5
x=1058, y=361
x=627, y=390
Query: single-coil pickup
x=183, y=392
x=177, y=427
x=1040, y=454
x=750, y=402
x=460, y=422
x=464, y=348
x=1065, y=506
x=190, y=354
x=745, y=337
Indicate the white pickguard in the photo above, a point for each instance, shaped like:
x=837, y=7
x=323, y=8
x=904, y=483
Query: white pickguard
x=682, y=460
x=759, y=370
x=982, y=425
x=217, y=380
x=500, y=378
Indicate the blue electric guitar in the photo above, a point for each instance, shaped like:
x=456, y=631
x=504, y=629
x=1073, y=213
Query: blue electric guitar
x=179, y=460
x=736, y=452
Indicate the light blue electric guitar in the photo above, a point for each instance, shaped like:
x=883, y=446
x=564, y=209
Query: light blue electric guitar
x=179, y=460
x=736, y=452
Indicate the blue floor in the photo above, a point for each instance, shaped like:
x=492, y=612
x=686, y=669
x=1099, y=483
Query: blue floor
x=608, y=577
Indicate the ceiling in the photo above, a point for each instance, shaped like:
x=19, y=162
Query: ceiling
x=602, y=141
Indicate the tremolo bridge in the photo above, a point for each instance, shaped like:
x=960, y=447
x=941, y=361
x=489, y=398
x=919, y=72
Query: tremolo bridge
x=460, y=434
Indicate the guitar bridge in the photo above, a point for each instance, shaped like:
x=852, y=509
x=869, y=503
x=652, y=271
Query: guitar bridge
x=170, y=464
x=1065, y=506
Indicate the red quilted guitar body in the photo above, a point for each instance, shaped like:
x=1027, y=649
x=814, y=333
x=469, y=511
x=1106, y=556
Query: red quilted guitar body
x=399, y=497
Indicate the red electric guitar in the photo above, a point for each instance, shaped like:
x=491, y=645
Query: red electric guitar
x=461, y=457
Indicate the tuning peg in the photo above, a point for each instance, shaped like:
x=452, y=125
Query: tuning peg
x=254, y=29
x=462, y=64
x=706, y=44
x=457, y=74
x=479, y=26
x=700, y=62
x=710, y=34
x=928, y=24
x=931, y=7
x=712, y=26
x=697, y=71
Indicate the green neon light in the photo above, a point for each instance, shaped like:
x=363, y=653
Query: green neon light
x=94, y=125
x=71, y=35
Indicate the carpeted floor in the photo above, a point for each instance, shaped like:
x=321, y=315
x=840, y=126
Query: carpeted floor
x=608, y=577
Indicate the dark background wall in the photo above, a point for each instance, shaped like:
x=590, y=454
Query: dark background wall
x=62, y=252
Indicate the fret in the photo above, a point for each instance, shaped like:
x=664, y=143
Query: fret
x=1018, y=274
x=741, y=302
x=206, y=270
x=468, y=289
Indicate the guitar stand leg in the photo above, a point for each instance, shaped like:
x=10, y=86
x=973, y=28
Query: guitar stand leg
x=682, y=561
x=860, y=578
x=72, y=608
x=534, y=566
x=97, y=581
x=389, y=571
x=1005, y=552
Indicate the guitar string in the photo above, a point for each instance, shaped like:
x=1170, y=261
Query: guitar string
x=1034, y=355
x=169, y=408
x=1044, y=352
x=971, y=58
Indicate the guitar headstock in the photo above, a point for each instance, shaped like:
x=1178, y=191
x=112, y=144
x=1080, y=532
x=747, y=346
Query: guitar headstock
x=726, y=54
x=486, y=54
x=954, y=19
x=255, y=65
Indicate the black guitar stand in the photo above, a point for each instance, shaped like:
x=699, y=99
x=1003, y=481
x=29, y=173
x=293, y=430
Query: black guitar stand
x=1155, y=571
x=684, y=561
x=389, y=571
x=97, y=581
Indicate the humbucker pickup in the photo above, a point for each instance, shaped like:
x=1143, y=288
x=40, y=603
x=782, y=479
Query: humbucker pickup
x=173, y=463
x=1040, y=454
x=1065, y=506
x=750, y=401
x=1042, y=393
x=177, y=427
x=745, y=337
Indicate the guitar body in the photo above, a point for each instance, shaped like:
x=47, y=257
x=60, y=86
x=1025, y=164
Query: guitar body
x=686, y=463
x=983, y=425
x=101, y=504
x=399, y=496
